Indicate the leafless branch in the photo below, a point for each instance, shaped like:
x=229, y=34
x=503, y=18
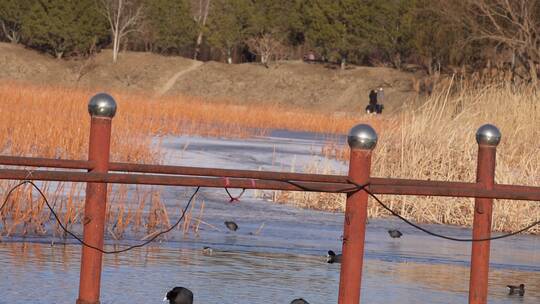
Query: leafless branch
x=124, y=17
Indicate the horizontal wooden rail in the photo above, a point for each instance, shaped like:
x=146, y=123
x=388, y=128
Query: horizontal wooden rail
x=199, y=171
x=386, y=187
x=45, y=162
x=163, y=169
x=169, y=180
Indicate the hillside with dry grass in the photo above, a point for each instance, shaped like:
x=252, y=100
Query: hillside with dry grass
x=292, y=83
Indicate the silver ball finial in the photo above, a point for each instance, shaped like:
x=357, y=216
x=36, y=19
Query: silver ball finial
x=362, y=136
x=488, y=135
x=102, y=105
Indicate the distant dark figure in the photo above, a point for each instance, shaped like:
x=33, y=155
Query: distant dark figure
x=380, y=95
x=372, y=97
x=394, y=233
x=332, y=257
x=231, y=225
x=373, y=106
x=179, y=295
x=299, y=301
x=516, y=289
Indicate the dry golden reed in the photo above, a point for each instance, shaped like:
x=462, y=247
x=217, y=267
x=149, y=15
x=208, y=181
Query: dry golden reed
x=49, y=121
x=432, y=139
x=53, y=121
x=435, y=140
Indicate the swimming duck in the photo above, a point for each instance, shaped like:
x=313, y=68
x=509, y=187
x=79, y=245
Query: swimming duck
x=516, y=289
x=207, y=250
x=394, y=233
x=332, y=257
x=299, y=301
x=232, y=226
x=179, y=295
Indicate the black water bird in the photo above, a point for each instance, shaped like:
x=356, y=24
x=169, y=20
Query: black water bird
x=207, y=250
x=394, y=233
x=332, y=257
x=299, y=301
x=513, y=289
x=231, y=225
x=179, y=295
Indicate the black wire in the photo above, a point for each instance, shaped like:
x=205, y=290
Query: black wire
x=91, y=246
x=9, y=194
x=354, y=189
x=359, y=187
x=234, y=198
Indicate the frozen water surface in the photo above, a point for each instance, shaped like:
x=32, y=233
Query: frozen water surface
x=285, y=261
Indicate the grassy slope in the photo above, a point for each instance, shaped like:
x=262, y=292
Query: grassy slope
x=309, y=86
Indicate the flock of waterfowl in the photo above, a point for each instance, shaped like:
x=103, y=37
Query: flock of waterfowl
x=182, y=295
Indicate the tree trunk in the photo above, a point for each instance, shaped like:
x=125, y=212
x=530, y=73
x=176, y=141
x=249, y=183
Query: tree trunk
x=264, y=59
x=532, y=72
x=429, y=64
x=198, y=45
x=116, y=45
x=396, y=60
x=11, y=35
x=343, y=63
x=229, y=57
x=14, y=37
x=201, y=25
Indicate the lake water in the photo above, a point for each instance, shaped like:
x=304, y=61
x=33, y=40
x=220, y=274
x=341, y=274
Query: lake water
x=286, y=260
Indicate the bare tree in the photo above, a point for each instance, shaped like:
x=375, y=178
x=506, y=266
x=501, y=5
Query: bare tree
x=12, y=13
x=124, y=17
x=13, y=35
x=510, y=24
x=87, y=64
x=266, y=47
x=201, y=18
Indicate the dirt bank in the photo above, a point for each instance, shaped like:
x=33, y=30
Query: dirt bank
x=310, y=86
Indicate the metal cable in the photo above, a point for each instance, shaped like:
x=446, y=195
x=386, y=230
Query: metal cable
x=83, y=242
x=234, y=198
x=358, y=187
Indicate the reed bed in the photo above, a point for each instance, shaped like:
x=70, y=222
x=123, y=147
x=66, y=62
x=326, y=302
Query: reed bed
x=432, y=139
x=138, y=213
x=50, y=121
x=34, y=115
x=435, y=140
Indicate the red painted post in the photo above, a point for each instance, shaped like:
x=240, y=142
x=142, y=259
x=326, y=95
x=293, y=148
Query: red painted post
x=488, y=137
x=362, y=140
x=102, y=108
